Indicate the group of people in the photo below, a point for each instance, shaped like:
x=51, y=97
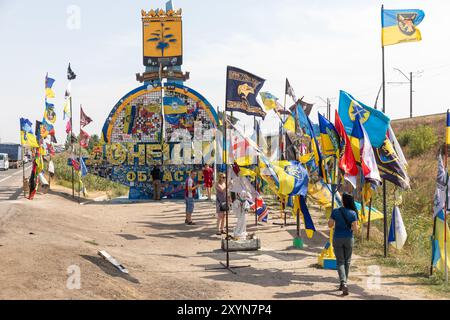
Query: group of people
x=344, y=220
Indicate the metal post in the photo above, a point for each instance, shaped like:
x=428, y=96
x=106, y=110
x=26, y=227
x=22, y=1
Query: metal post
x=23, y=172
x=71, y=145
x=384, y=180
x=410, y=94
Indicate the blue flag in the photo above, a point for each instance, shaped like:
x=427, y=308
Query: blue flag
x=84, y=170
x=242, y=90
x=375, y=122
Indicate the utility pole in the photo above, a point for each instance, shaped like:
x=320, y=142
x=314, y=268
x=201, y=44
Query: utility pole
x=410, y=82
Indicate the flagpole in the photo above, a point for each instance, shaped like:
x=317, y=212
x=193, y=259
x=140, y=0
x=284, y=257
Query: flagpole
x=368, y=222
x=23, y=171
x=384, y=180
x=71, y=144
x=256, y=176
x=446, y=204
x=79, y=160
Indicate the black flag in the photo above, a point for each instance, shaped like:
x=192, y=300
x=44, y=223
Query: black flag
x=290, y=91
x=70, y=74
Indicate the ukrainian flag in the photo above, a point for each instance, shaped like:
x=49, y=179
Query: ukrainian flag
x=375, y=122
x=27, y=138
x=48, y=87
x=447, y=129
x=269, y=100
x=293, y=178
x=329, y=136
x=438, y=243
x=174, y=105
x=289, y=124
x=400, y=26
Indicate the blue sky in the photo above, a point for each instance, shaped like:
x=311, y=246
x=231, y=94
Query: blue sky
x=321, y=46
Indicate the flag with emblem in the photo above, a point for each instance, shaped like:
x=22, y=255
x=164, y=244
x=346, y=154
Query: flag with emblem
x=290, y=91
x=174, y=105
x=374, y=121
x=270, y=101
x=242, y=90
x=400, y=26
x=329, y=136
x=84, y=119
x=49, y=113
x=293, y=178
x=27, y=137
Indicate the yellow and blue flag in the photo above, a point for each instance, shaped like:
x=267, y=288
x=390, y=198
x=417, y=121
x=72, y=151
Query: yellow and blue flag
x=174, y=105
x=289, y=124
x=400, y=26
x=301, y=207
x=269, y=100
x=329, y=136
x=48, y=87
x=375, y=122
x=293, y=178
x=438, y=246
x=447, y=129
x=27, y=137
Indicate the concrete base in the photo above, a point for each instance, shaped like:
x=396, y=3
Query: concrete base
x=242, y=245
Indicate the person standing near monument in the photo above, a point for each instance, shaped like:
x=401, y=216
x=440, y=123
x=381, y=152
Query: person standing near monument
x=156, y=176
x=221, y=203
x=208, y=177
x=190, y=193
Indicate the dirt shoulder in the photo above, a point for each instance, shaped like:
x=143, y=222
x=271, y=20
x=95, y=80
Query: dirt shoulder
x=41, y=239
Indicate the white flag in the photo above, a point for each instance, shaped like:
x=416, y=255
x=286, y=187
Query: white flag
x=397, y=234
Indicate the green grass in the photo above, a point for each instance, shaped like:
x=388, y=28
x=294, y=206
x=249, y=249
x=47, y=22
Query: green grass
x=92, y=183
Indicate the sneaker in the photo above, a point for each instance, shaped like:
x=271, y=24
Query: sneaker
x=223, y=232
x=345, y=290
x=218, y=233
x=186, y=222
x=192, y=223
x=341, y=286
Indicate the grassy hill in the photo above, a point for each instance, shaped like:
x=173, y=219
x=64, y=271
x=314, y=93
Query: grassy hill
x=421, y=139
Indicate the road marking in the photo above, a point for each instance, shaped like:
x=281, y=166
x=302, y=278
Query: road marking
x=15, y=174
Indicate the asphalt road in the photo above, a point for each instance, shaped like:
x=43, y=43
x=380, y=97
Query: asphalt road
x=11, y=183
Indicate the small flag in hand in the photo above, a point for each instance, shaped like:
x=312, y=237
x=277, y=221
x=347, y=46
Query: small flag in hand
x=84, y=119
x=70, y=74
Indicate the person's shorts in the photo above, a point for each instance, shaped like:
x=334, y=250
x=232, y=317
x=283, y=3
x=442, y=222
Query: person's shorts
x=190, y=205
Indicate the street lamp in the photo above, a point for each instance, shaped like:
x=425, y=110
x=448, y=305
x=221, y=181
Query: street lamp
x=410, y=81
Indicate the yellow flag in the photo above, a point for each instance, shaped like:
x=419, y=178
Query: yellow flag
x=290, y=124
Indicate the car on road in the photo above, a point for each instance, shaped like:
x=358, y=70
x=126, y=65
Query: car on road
x=4, y=162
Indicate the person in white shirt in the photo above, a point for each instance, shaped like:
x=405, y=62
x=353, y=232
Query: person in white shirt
x=190, y=194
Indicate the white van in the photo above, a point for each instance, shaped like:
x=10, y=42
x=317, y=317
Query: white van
x=4, y=162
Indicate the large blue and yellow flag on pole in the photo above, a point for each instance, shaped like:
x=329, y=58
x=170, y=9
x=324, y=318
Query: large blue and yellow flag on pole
x=400, y=26
x=27, y=137
x=374, y=121
x=293, y=178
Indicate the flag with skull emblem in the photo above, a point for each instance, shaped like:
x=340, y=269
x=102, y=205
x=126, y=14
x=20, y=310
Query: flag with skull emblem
x=242, y=90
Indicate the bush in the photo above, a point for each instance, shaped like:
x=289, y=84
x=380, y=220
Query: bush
x=418, y=140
